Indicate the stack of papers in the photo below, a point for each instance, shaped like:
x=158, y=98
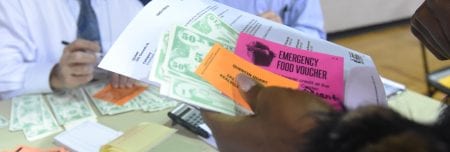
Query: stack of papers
x=71, y=107
x=31, y=115
x=180, y=53
x=167, y=42
x=88, y=136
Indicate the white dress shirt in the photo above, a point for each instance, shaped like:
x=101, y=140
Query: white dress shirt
x=303, y=15
x=31, y=32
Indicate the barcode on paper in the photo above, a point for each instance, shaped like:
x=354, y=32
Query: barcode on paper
x=356, y=58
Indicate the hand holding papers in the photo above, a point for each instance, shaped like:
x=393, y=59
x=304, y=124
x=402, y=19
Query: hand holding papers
x=138, y=50
x=180, y=52
x=281, y=115
x=318, y=73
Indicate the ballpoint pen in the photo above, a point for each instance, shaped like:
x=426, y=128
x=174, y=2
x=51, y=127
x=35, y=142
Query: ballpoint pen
x=98, y=54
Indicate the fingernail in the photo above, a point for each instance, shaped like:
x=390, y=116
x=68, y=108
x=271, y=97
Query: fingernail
x=245, y=83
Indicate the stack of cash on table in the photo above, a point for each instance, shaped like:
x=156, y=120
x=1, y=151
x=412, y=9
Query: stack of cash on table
x=40, y=115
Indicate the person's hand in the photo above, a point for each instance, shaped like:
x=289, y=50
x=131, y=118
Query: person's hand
x=76, y=65
x=271, y=16
x=282, y=116
x=120, y=81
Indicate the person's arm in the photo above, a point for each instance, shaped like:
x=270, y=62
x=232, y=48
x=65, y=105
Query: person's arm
x=282, y=117
x=26, y=68
x=306, y=16
x=19, y=73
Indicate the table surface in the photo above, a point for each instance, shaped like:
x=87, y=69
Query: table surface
x=410, y=104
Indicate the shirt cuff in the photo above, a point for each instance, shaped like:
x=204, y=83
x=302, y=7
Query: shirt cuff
x=37, y=78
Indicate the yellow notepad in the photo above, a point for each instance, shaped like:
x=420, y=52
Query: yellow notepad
x=142, y=137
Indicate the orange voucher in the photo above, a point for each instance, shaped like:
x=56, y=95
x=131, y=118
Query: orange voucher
x=220, y=67
x=119, y=96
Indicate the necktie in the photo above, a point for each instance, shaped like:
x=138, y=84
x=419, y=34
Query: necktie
x=144, y=2
x=88, y=29
x=87, y=22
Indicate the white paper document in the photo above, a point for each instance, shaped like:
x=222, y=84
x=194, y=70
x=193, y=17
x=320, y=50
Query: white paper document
x=210, y=140
x=88, y=136
x=132, y=54
x=392, y=88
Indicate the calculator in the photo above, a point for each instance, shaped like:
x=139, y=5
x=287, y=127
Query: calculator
x=189, y=117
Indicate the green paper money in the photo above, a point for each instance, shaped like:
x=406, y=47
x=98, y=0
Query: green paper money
x=212, y=26
x=201, y=95
x=185, y=52
x=71, y=106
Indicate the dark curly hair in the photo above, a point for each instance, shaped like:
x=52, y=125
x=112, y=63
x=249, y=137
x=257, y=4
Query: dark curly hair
x=378, y=129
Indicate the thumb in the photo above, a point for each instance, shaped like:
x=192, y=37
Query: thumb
x=249, y=89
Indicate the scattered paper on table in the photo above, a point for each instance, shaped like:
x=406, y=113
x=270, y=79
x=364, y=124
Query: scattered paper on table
x=119, y=96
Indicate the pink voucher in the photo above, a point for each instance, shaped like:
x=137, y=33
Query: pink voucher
x=318, y=73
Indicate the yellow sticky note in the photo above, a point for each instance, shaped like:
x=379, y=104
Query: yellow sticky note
x=220, y=67
x=140, y=138
x=445, y=81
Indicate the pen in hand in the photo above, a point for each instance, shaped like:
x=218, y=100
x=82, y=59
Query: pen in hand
x=65, y=43
x=97, y=55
